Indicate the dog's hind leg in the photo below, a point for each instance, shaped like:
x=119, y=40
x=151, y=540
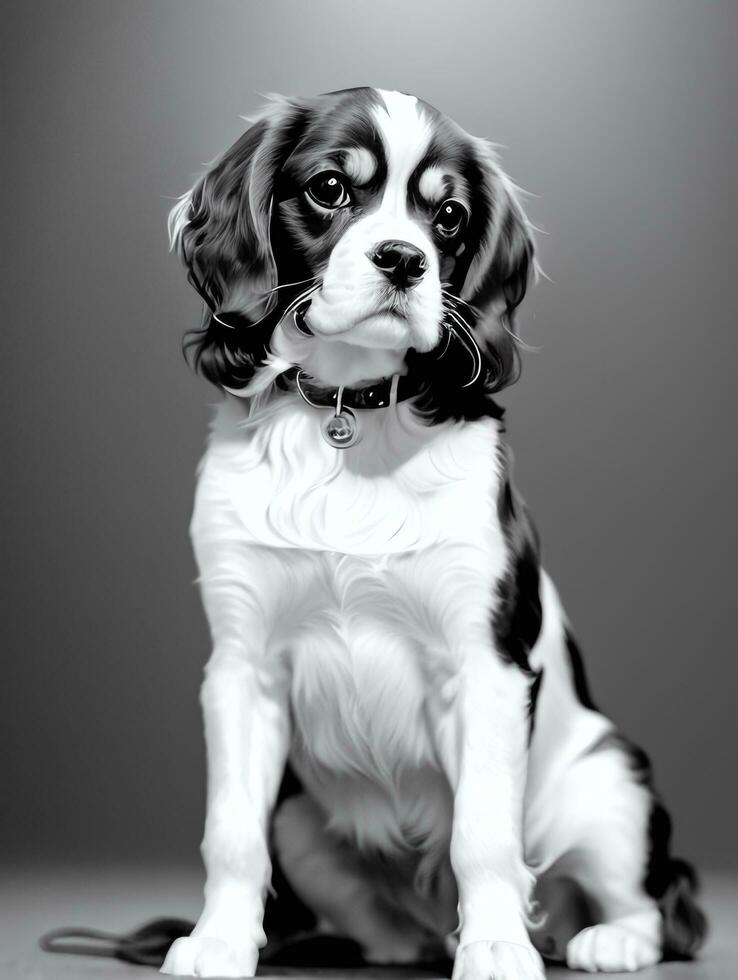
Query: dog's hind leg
x=595, y=830
x=603, y=814
x=331, y=878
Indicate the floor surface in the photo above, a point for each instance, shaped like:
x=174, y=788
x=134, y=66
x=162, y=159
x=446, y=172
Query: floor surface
x=33, y=901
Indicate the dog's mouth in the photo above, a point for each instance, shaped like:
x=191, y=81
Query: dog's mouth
x=391, y=310
x=384, y=313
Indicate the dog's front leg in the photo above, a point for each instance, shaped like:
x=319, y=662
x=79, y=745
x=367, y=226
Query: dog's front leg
x=247, y=733
x=483, y=743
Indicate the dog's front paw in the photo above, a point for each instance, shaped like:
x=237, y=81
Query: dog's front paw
x=498, y=961
x=208, y=956
x=611, y=948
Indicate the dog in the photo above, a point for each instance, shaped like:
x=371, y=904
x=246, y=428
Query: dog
x=382, y=628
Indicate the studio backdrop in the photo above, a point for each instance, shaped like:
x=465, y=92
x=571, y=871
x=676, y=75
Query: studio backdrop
x=618, y=118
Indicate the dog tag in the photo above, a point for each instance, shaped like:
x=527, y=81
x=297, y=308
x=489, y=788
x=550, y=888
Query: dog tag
x=341, y=430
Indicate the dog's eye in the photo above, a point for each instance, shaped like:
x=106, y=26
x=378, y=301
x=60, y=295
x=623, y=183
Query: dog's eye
x=450, y=219
x=328, y=190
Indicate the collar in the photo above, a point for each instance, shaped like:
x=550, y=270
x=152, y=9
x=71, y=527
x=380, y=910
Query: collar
x=376, y=395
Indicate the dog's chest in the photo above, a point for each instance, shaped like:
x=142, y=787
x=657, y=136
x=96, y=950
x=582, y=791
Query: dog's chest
x=405, y=486
x=363, y=673
x=383, y=555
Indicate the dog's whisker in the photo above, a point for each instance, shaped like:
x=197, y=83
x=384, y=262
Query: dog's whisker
x=268, y=296
x=287, y=285
x=449, y=295
x=463, y=324
x=511, y=333
x=300, y=299
x=461, y=331
x=455, y=312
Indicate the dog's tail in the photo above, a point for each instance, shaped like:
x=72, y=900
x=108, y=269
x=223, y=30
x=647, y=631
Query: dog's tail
x=685, y=925
x=673, y=883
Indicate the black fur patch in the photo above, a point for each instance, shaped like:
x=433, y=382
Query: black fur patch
x=581, y=684
x=228, y=350
x=516, y=623
x=518, y=615
x=535, y=690
x=444, y=397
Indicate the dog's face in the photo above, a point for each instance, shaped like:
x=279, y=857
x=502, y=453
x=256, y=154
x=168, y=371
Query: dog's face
x=379, y=206
x=394, y=223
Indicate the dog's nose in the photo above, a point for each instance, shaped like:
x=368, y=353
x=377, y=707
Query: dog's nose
x=401, y=262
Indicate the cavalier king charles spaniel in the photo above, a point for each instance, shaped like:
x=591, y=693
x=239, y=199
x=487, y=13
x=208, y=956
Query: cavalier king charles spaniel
x=399, y=730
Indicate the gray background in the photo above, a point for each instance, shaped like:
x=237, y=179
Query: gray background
x=618, y=116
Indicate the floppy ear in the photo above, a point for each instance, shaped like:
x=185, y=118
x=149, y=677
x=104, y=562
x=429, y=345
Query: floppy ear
x=221, y=231
x=501, y=268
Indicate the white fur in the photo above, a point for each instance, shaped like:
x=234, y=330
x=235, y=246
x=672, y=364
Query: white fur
x=360, y=164
x=406, y=486
x=432, y=184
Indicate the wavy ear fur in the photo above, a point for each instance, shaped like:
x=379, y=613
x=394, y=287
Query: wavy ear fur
x=221, y=231
x=502, y=267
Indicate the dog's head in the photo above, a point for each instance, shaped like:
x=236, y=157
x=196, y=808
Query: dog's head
x=399, y=229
